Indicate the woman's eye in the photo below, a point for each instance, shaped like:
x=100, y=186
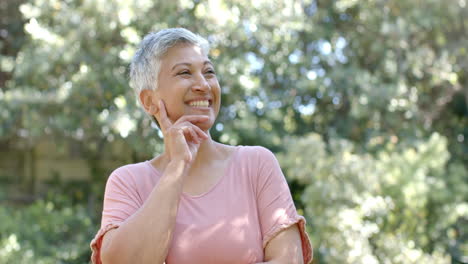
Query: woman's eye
x=184, y=72
x=210, y=71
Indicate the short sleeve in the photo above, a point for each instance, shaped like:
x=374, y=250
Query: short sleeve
x=121, y=200
x=275, y=204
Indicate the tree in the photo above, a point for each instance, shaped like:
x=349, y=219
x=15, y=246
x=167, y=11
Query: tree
x=345, y=90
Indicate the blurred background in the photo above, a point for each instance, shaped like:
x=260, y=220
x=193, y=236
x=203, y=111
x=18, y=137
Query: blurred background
x=363, y=102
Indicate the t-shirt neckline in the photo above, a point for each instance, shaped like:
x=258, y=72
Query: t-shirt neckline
x=218, y=182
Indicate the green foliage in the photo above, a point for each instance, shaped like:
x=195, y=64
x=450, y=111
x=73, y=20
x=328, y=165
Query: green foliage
x=47, y=231
x=392, y=207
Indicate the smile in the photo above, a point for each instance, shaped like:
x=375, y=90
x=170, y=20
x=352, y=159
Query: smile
x=200, y=103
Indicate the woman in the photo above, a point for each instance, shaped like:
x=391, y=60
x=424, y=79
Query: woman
x=199, y=201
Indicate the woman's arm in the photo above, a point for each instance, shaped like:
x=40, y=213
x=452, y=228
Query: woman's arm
x=145, y=236
x=283, y=230
x=285, y=248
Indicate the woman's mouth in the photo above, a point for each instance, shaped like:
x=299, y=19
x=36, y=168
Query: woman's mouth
x=199, y=103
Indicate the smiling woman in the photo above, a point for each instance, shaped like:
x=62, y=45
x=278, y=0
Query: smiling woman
x=199, y=201
x=187, y=85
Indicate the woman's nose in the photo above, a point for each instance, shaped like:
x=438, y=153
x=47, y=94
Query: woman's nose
x=201, y=84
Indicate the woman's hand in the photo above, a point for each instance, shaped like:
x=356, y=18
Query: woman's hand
x=182, y=138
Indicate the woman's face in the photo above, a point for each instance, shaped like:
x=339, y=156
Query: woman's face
x=188, y=84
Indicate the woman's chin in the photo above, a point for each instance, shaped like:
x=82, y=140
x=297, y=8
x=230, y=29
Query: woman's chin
x=205, y=126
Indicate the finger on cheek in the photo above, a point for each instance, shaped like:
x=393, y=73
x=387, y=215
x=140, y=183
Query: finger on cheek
x=156, y=109
x=163, y=110
x=161, y=105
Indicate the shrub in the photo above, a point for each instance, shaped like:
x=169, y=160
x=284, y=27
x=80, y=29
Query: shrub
x=46, y=231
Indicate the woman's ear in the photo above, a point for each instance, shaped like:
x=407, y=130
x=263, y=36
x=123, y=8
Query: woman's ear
x=149, y=101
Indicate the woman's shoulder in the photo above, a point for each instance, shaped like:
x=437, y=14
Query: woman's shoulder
x=132, y=167
x=133, y=172
x=252, y=156
x=256, y=152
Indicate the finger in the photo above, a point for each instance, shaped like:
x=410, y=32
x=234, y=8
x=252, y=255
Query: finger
x=190, y=131
x=194, y=136
x=201, y=134
x=192, y=119
x=185, y=132
x=164, y=120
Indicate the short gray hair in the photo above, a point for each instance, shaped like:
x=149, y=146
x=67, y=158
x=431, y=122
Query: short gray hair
x=146, y=63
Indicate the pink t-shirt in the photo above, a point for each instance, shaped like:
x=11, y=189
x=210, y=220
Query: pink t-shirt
x=230, y=223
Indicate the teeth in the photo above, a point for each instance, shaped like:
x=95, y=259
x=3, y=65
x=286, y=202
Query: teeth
x=204, y=103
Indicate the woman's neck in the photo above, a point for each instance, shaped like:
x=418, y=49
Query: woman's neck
x=208, y=151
